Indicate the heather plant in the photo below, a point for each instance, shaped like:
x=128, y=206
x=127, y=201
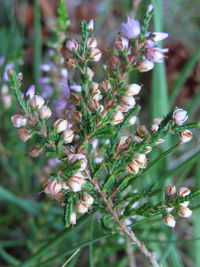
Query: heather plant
x=96, y=147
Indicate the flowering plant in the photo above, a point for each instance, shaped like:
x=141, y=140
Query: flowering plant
x=94, y=157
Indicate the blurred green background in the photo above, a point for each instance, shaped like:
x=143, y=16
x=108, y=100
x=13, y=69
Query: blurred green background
x=32, y=231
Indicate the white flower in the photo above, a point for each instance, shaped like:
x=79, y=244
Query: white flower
x=18, y=120
x=45, y=112
x=133, y=89
x=145, y=65
x=53, y=187
x=184, y=212
x=68, y=136
x=185, y=136
x=169, y=220
x=183, y=191
x=171, y=190
x=37, y=101
x=180, y=116
x=72, y=218
x=127, y=102
x=60, y=125
x=81, y=207
x=117, y=117
x=95, y=54
x=78, y=157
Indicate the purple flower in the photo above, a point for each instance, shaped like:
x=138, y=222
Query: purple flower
x=7, y=67
x=156, y=54
x=75, y=88
x=180, y=116
x=44, y=80
x=2, y=59
x=131, y=29
x=47, y=91
x=159, y=36
x=30, y=92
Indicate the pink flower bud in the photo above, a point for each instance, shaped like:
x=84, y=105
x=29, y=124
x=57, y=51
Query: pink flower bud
x=45, y=112
x=88, y=199
x=133, y=89
x=75, y=184
x=123, y=142
x=132, y=168
x=60, y=125
x=68, y=136
x=171, y=190
x=37, y=101
x=45, y=67
x=159, y=36
x=184, y=212
x=140, y=160
x=53, y=187
x=132, y=120
x=117, y=117
x=122, y=43
x=81, y=207
x=105, y=85
x=30, y=92
x=90, y=73
x=35, y=151
x=169, y=220
x=148, y=149
x=72, y=45
x=180, y=116
x=160, y=141
x=72, y=218
x=183, y=191
x=95, y=54
x=185, y=137
x=18, y=120
x=127, y=102
x=145, y=65
x=24, y=134
x=92, y=42
x=78, y=157
x=90, y=26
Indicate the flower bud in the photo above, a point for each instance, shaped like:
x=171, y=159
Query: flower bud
x=128, y=102
x=24, y=134
x=95, y=87
x=35, y=151
x=185, y=204
x=185, y=137
x=90, y=26
x=132, y=168
x=68, y=136
x=90, y=73
x=89, y=200
x=183, y=191
x=171, y=190
x=160, y=141
x=148, y=149
x=53, y=187
x=92, y=42
x=72, y=45
x=6, y=100
x=184, y=212
x=140, y=160
x=37, y=101
x=118, y=117
x=75, y=184
x=133, y=89
x=169, y=220
x=81, y=207
x=105, y=85
x=60, y=125
x=121, y=43
x=30, y=92
x=132, y=120
x=159, y=36
x=150, y=8
x=123, y=142
x=18, y=120
x=45, y=112
x=180, y=116
x=72, y=218
x=95, y=54
x=145, y=65
x=75, y=88
x=78, y=157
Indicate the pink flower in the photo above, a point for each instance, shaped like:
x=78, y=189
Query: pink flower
x=131, y=29
x=180, y=116
x=145, y=65
x=156, y=54
x=159, y=36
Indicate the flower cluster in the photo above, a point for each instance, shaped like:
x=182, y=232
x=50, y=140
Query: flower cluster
x=182, y=210
x=94, y=155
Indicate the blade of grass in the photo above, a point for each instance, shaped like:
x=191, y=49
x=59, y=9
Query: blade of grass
x=68, y=252
x=185, y=73
x=8, y=258
x=53, y=242
x=70, y=258
x=91, y=244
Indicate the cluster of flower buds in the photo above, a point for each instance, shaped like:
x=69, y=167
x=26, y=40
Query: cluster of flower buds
x=183, y=210
x=61, y=126
x=139, y=162
x=126, y=103
x=35, y=102
x=83, y=205
x=180, y=116
x=73, y=46
x=141, y=51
